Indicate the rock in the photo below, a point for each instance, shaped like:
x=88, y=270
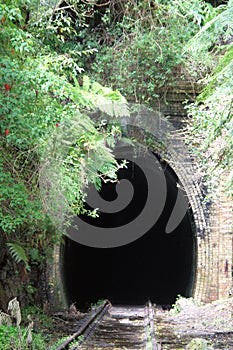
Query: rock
x=14, y=310
x=185, y=303
x=5, y=319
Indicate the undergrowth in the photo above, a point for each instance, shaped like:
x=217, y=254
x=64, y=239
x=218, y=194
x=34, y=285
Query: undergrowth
x=9, y=339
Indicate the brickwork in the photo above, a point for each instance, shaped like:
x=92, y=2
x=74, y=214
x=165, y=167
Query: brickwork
x=170, y=100
x=221, y=242
x=212, y=224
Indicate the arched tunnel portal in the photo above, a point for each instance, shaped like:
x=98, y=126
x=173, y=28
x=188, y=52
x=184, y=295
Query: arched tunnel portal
x=193, y=259
x=157, y=266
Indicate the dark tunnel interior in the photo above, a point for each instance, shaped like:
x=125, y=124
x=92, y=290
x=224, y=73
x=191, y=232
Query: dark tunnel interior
x=157, y=266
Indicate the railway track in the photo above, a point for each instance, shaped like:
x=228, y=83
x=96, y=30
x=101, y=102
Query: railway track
x=115, y=327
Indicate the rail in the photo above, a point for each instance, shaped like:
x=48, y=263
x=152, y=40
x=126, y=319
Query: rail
x=83, y=328
x=122, y=327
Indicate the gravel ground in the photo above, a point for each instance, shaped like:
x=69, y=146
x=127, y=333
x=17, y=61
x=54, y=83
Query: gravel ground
x=205, y=327
x=187, y=320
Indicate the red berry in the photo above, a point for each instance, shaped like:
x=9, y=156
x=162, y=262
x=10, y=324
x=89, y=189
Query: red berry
x=37, y=93
x=3, y=19
x=7, y=132
x=13, y=51
x=57, y=125
x=7, y=87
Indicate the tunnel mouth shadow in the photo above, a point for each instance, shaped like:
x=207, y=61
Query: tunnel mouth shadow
x=157, y=266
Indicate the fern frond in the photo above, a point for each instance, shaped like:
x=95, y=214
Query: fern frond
x=222, y=78
x=94, y=95
x=86, y=83
x=18, y=253
x=221, y=24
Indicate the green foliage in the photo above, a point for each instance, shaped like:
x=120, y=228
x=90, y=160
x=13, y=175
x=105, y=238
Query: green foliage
x=74, y=161
x=38, y=315
x=202, y=50
x=183, y=303
x=176, y=309
x=59, y=342
x=18, y=253
x=98, y=303
x=210, y=134
x=41, y=94
x=215, y=33
x=58, y=28
x=220, y=81
x=93, y=94
x=198, y=344
x=17, y=208
x=46, y=98
x=142, y=47
x=9, y=335
x=211, y=128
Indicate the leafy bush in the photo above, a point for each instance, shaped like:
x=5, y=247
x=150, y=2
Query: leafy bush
x=210, y=129
x=9, y=339
x=143, y=45
x=40, y=94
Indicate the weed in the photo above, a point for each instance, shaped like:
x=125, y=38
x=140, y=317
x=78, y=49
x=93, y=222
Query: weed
x=9, y=337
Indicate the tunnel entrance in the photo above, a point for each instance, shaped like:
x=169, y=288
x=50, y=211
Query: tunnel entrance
x=157, y=266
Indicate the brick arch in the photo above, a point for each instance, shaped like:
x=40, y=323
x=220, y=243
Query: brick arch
x=171, y=149
x=185, y=171
x=213, y=220
x=212, y=223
